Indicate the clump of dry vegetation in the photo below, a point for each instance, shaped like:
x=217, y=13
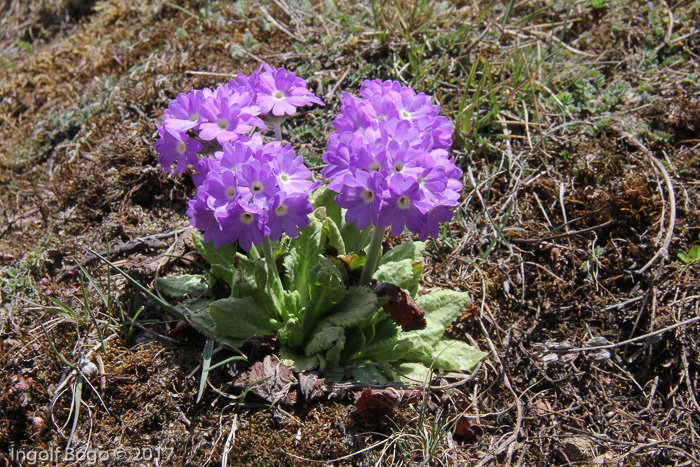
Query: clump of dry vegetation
x=576, y=126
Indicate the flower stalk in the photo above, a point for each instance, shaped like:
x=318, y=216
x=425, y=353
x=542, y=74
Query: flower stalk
x=373, y=254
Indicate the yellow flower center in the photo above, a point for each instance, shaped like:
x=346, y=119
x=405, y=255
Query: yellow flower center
x=279, y=95
x=404, y=202
x=230, y=192
x=256, y=187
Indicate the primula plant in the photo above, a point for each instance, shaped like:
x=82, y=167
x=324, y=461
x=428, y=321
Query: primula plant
x=301, y=259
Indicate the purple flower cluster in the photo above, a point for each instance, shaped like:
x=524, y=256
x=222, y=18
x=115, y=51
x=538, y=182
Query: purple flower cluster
x=227, y=112
x=389, y=160
x=248, y=190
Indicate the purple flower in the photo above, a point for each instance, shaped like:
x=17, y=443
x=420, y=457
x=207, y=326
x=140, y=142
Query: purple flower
x=258, y=181
x=405, y=205
x=183, y=113
x=243, y=223
x=379, y=87
x=361, y=195
x=280, y=92
x=340, y=147
x=225, y=118
x=416, y=107
x=433, y=220
x=176, y=146
x=203, y=217
x=246, y=189
x=354, y=115
x=292, y=175
x=288, y=213
x=222, y=188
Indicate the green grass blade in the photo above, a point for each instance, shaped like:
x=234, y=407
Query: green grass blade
x=208, y=352
x=139, y=286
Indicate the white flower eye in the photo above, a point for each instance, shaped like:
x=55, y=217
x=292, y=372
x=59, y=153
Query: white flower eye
x=281, y=210
x=223, y=123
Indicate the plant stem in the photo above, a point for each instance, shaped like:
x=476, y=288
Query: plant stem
x=278, y=130
x=275, y=287
x=373, y=254
x=270, y=259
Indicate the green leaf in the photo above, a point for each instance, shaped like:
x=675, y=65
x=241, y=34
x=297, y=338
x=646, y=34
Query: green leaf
x=402, y=273
x=355, y=240
x=298, y=362
x=355, y=309
x=223, y=273
x=333, y=235
x=325, y=198
x=206, y=360
x=409, y=250
x=326, y=288
x=202, y=320
x=371, y=374
x=292, y=334
x=292, y=303
x=456, y=356
x=385, y=346
x=354, y=261
x=444, y=306
x=413, y=372
x=303, y=255
x=241, y=318
x=193, y=306
x=324, y=337
x=223, y=256
x=177, y=287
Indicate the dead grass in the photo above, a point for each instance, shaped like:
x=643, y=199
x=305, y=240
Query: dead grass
x=564, y=207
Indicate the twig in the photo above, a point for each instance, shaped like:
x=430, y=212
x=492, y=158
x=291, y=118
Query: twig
x=518, y=403
x=329, y=94
x=628, y=341
x=663, y=251
x=129, y=247
x=31, y=212
x=275, y=23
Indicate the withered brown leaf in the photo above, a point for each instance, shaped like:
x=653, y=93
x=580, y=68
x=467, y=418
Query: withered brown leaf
x=402, y=308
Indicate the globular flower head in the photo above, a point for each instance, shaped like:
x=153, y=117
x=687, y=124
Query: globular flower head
x=392, y=142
